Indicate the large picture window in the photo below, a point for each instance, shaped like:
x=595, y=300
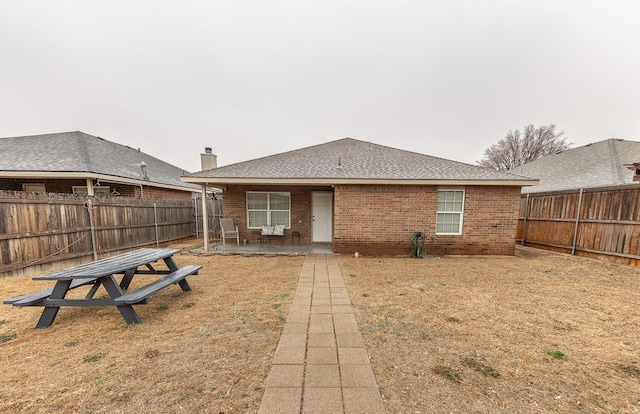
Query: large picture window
x=450, y=210
x=268, y=209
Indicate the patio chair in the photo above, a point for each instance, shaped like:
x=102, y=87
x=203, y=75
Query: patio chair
x=227, y=229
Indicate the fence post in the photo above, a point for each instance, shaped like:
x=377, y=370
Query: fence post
x=89, y=205
x=155, y=223
x=195, y=209
x=575, y=231
x=524, y=224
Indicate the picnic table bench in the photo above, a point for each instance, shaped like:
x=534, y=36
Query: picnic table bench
x=101, y=273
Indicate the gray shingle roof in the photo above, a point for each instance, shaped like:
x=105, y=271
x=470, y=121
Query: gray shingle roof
x=70, y=152
x=600, y=164
x=351, y=159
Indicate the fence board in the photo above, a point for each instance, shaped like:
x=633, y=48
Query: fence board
x=37, y=230
x=608, y=223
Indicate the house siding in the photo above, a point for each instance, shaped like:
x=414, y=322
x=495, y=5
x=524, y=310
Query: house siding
x=380, y=220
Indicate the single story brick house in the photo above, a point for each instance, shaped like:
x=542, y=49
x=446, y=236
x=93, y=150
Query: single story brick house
x=82, y=164
x=368, y=198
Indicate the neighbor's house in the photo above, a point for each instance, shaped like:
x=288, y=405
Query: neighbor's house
x=635, y=167
x=587, y=202
x=79, y=163
x=370, y=198
x=607, y=163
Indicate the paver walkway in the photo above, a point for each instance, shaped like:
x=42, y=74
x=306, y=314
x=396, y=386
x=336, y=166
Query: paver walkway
x=321, y=364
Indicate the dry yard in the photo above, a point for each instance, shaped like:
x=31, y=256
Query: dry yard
x=538, y=332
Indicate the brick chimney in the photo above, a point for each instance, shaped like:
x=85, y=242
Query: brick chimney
x=208, y=160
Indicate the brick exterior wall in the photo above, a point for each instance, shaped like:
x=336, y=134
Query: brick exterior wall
x=235, y=206
x=380, y=219
x=66, y=187
x=158, y=193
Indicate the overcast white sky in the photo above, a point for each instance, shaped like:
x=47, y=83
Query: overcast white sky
x=254, y=78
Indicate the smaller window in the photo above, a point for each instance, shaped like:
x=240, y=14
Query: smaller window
x=450, y=210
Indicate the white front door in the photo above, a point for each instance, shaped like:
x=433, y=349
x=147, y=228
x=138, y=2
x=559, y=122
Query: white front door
x=321, y=217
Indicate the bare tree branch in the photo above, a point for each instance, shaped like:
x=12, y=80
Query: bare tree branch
x=518, y=148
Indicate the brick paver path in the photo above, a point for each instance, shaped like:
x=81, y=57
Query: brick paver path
x=321, y=364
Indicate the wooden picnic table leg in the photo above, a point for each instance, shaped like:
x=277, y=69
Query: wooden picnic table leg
x=171, y=264
x=49, y=313
x=127, y=311
x=126, y=279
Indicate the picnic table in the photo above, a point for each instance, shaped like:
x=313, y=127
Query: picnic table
x=102, y=273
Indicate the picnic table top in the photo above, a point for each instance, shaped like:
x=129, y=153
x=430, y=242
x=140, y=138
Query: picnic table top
x=110, y=265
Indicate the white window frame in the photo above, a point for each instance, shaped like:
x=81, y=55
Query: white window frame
x=461, y=212
x=102, y=191
x=268, y=210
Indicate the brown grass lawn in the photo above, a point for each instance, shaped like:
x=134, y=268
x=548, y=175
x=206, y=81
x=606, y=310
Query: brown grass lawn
x=208, y=350
x=538, y=332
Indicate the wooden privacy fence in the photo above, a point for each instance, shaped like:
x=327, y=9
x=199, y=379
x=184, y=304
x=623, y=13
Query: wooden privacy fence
x=38, y=230
x=601, y=223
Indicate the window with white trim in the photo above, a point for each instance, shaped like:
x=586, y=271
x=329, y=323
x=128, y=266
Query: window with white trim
x=450, y=210
x=268, y=209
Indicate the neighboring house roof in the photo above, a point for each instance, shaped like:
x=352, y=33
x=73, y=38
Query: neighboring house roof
x=350, y=161
x=600, y=164
x=79, y=155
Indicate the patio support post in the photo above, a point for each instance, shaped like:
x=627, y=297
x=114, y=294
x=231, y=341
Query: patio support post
x=90, y=192
x=205, y=218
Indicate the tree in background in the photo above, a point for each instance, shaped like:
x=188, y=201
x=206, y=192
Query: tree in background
x=518, y=148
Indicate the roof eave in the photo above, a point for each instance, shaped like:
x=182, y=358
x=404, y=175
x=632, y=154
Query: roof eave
x=219, y=181
x=94, y=176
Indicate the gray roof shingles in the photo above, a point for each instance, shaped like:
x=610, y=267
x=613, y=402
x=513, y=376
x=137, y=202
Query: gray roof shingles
x=600, y=164
x=80, y=152
x=350, y=158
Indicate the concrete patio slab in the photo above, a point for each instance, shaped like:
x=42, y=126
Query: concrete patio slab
x=323, y=401
x=281, y=400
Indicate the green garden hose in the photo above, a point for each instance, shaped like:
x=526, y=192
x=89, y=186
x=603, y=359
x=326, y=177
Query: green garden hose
x=417, y=244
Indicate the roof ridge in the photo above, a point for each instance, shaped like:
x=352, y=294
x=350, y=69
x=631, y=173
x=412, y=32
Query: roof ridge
x=286, y=152
x=615, y=160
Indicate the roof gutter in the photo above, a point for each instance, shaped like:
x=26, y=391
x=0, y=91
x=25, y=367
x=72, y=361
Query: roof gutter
x=86, y=175
x=335, y=181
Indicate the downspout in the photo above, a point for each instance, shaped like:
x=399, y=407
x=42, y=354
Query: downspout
x=205, y=218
